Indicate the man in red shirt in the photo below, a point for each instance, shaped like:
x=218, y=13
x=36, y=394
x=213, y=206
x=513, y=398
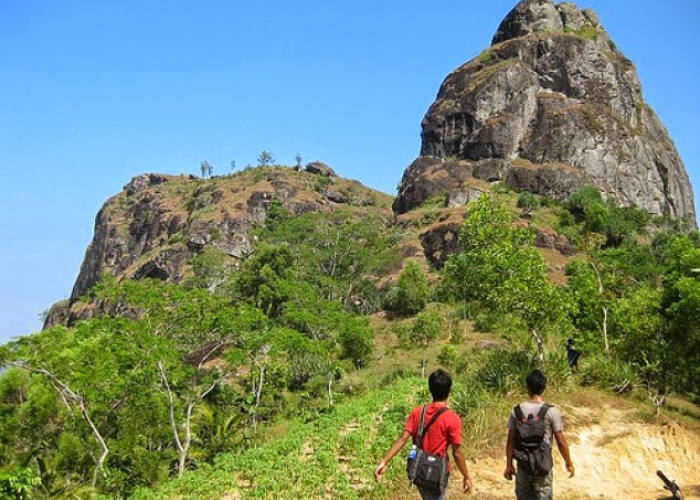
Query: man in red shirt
x=443, y=434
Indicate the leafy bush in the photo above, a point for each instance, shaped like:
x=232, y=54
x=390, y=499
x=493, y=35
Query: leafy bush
x=556, y=367
x=605, y=217
x=18, y=484
x=411, y=293
x=609, y=373
x=527, y=202
x=503, y=371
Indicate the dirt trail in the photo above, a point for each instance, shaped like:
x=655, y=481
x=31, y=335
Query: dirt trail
x=613, y=459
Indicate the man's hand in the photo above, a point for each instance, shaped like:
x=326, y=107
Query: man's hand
x=466, y=485
x=509, y=472
x=379, y=471
x=570, y=469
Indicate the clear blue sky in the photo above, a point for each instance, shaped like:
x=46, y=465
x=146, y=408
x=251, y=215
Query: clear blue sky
x=93, y=93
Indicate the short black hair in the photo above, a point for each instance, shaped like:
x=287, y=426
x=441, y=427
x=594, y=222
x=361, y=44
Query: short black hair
x=536, y=382
x=440, y=384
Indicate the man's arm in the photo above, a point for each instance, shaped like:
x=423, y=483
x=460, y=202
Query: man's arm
x=462, y=466
x=393, y=450
x=510, y=446
x=564, y=450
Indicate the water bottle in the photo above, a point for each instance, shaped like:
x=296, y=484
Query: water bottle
x=412, y=452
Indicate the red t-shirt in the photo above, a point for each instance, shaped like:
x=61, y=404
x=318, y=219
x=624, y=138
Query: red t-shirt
x=446, y=430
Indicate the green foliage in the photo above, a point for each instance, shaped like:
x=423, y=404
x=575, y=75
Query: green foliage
x=18, y=484
x=321, y=183
x=334, y=253
x=411, y=293
x=186, y=379
x=499, y=268
x=263, y=277
x=609, y=373
x=265, y=159
x=503, y=371
x=304, y=461
x=527, y=202
x=450, y=358
x=588, y=32
x=617, y=224
x=210, y=269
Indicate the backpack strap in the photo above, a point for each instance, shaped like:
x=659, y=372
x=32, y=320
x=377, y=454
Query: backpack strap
x=423, y=430
x=518, y=412
x=520, y=416
x=543, y=411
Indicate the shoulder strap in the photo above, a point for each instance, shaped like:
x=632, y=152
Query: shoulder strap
x=519, y=415
x=423, y=430
x=543, y=411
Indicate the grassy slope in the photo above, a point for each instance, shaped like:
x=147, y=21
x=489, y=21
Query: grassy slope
x=333, y=455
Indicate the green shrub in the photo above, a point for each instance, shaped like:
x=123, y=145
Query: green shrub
x=411, y=293
x=609, y=373
x=18, y=484
x=527, y=202
x=503, y=371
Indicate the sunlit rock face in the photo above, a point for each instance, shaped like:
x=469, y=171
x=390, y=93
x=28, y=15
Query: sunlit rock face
x=550, y=106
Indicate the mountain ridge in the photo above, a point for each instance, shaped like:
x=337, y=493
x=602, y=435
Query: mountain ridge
x=551, y=106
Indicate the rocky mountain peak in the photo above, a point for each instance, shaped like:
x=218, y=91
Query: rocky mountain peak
x=528, y=17
x=159, y=223
x=536, y=16
x=550, y=106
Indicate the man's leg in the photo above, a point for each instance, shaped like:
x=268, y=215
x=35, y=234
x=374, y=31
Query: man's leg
x=542, y=487
x=523, y=485
x=529, y=487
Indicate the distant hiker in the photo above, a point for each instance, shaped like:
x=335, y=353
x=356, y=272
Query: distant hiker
x=443, y=429
x=531, y=426
x=572, y=355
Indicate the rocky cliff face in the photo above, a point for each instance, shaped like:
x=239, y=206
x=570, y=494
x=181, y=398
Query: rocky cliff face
x=550, y=106
x=158, y=223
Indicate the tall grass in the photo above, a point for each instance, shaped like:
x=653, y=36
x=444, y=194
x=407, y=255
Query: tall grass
x=333, y=456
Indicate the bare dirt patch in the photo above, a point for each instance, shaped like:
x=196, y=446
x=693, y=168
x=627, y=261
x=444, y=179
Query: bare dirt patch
x=613, y=459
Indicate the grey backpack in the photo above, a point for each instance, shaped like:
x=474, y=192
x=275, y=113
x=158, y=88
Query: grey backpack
x=532, y=452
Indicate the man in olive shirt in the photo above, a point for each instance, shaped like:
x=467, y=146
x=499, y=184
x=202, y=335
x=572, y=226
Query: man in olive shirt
x=527, y=486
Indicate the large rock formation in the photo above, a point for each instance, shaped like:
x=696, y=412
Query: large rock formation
x=552, y=105
x=158, y=223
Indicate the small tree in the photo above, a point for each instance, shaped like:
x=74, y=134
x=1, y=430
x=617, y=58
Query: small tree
x=207, y=169
x=425, y=329
x=499, y=268
x=527, y=202
x=265, y=158
x=411, y=293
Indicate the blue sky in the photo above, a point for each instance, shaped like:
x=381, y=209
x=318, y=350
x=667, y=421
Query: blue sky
x=93, y=93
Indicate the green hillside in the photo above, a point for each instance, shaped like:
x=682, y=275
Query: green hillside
x=290, y=373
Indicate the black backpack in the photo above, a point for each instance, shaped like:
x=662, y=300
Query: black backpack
x=532, y=452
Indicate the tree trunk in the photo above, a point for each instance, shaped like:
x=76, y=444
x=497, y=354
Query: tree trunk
x=258, y=385
x=181, y=450
x=605, y=330
x=540, y=346
x=601, y=291
x=330, y=388
x=69, y=396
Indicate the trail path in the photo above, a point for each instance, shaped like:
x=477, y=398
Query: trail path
x=613, y=460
